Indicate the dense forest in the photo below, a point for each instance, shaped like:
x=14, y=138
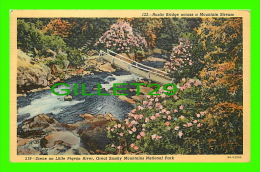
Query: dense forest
x=204, y=56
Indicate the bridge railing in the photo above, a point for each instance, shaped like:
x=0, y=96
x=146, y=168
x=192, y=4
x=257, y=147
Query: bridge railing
x=135, y=64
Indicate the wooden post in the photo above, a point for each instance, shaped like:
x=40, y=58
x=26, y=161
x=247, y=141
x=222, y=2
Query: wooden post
x=149, y=75
x=112, y=61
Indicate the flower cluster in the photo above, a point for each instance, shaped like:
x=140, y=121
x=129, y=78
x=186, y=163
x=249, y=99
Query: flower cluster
x=180, y=58
x=154, y=122
x=121, y=38
x=189, y=83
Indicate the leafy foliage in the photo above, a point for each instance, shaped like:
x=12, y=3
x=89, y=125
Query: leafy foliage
x=147, y=27
x=121, y=38
x=163, y=128
x=29, y=38
x=75, y=57
x=206, y=115
x=58, y=27
x=180, y=60
x=174, y=28
x=86, y=31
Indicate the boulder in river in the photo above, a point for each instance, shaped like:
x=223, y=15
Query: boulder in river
x=92, y=131
x=68, y=98
x=37, y=126
x=44, y=135
x=65, y=136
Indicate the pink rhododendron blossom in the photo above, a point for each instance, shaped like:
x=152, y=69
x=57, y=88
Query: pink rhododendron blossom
x=157, y=115
x=134, y=122
x=167, y=123
x=175, y=97
x=199, y=125
x=136, y=147
x=197, y=83
x=136, y=117
x=142, y=134
x=202, y=113
x=158, y=137
x=182, y=117
x=153, y=136
x=134, y=129
x=140, y=108
x=158, y=106
x=145, y=102
x=191, y=80
x=189, y=124
x=138, y=137
x=133, y=111
x=121, y=37
x=130, y=114
x=153, y=117
x=180, y=134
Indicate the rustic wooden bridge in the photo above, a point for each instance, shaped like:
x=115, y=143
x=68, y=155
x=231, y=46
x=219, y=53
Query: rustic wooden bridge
x=133, y=66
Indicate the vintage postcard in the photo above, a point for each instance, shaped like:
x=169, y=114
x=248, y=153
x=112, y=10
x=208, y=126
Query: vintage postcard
x=130, y=86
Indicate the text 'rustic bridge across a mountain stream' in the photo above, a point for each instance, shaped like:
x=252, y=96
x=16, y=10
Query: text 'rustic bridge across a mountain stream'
x=133, y=66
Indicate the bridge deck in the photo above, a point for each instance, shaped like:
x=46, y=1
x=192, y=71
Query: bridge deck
x=134, y=67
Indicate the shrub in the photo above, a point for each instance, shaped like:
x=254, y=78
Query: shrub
x=75, y=57
x=163, y=125
x=29, y=38
x=121, y=38
x=180, y=60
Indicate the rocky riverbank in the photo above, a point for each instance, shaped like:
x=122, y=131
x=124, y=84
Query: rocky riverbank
x=44, y=135
x=33, y=74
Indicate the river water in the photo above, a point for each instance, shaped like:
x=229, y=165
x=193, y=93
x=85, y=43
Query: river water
x=68, y=111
